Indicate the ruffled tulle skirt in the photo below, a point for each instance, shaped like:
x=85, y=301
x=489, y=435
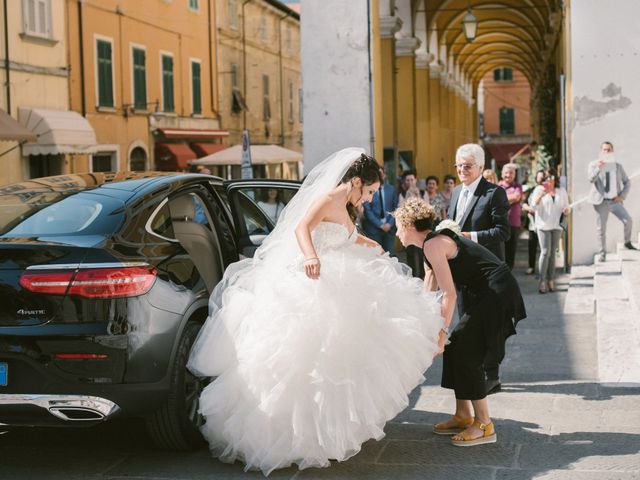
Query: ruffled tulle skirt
x=307, y=370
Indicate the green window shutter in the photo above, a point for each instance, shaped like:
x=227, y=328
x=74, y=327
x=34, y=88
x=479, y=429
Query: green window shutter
x=196, y=88
x=508, y=74
x=105, y=74
x=167, y=84
x=507, y=121
x=139, y=79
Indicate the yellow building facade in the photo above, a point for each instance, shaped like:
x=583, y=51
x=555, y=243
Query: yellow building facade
x=143, y=74
x=259, y=71
x=34, y=76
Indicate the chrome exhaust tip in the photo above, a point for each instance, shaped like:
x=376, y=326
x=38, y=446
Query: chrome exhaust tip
x=70, y=408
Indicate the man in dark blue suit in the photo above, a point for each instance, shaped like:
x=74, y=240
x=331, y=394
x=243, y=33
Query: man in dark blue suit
x=378, y=223
x=478, y=206
x=481, y=209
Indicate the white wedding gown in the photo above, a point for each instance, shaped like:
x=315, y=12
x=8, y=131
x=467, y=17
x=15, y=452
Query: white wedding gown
x=308, y=370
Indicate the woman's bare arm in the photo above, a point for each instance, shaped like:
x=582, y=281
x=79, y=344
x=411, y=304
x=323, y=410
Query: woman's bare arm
x=436, y=251
x=430, y=281
x=314, y=216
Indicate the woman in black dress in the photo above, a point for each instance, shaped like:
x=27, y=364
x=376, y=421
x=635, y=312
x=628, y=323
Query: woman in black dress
x=493, y=305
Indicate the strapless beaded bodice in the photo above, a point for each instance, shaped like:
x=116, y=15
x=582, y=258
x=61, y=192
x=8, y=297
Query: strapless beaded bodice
x=331, y=235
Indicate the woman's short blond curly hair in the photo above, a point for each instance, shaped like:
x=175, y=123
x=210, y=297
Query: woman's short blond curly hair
x=415, y=211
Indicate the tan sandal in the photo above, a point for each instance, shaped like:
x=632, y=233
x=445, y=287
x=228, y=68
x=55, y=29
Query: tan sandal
x=461, y=425
x=488, y=436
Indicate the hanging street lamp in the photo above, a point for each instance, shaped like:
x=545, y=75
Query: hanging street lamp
x=469, y=25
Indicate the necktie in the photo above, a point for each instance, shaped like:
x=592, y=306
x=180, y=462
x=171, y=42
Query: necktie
x=462, y=205
x=383, y=212
x=607, y=181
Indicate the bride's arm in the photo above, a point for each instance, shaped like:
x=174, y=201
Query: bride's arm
x=303, y=231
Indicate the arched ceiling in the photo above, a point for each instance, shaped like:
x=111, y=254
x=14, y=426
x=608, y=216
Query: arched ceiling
x=511, y=33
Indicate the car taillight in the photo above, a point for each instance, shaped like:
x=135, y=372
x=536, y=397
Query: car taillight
x=92, y=283
x=80, y=356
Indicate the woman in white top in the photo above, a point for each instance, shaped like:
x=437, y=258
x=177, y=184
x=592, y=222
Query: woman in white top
x=549, y=201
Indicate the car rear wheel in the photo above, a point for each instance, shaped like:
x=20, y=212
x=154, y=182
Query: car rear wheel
x=175, y=425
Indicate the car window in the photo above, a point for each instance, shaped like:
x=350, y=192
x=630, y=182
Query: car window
x=82, y=213
x=270, y=200
x=161, y=222
x=255, y=221
x=162, y=225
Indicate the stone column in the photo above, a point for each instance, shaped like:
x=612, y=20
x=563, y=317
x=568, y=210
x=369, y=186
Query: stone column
x=435, y=119
x=389, y=25
x=423, y=113
x=405, y=93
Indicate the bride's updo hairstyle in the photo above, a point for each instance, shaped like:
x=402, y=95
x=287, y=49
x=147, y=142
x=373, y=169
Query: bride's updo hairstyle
x=417, y=213
x=368, y=170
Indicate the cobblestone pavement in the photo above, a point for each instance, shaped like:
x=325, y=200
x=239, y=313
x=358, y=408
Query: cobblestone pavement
x=554, y=421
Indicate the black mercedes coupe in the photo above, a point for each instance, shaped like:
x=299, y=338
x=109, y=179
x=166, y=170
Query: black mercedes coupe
x=104, y=285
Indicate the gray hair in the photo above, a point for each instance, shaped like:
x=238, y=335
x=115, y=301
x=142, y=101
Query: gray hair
x=511, y=166
x=471, y=150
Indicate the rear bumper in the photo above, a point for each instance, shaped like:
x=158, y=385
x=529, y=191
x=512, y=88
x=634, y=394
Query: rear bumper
x=50, y=409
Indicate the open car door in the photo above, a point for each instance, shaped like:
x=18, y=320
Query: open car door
x=256, y=205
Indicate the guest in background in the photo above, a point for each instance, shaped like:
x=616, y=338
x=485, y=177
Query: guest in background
x=514, y=195
x=410, y=187
x=609, y=188
x=410, y=190
x=490, y=176
x=549, y=201
x=378, y=222
x=532, y=244
x=435, y=198
x=449, y=184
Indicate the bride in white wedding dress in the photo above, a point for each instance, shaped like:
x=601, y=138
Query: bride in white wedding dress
x=316, y=342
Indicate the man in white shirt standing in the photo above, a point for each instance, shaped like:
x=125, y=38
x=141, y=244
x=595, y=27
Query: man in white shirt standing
x=481, y=209
x=609, y=187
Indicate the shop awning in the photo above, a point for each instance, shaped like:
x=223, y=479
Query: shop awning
x=173, y=156
x=502, y=152
x=10, y=129
x=193, y=133
x=204, y=149
x=260, y=155
x=58, y=131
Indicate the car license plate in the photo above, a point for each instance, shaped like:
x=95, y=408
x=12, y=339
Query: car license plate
x=4, y=374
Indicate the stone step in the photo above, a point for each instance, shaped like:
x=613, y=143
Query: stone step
x=631, y=276
x=627, y=255
x=618, y=342
x=616, y=292
x=580, y=297
x=610, y=265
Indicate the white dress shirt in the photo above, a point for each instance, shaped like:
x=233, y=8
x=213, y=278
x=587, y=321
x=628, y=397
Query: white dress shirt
x=472, y=190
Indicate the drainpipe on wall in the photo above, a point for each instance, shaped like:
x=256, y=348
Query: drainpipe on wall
x=83, y=98
x=6, y=58
x=372, y=111
x=281, y=78
x=244, y=66
x=214, y=107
